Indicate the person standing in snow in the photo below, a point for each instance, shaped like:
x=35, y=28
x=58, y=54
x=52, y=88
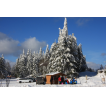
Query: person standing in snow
x=62, y=80
x=65, y=79
x=59, y=80
x=73, y=80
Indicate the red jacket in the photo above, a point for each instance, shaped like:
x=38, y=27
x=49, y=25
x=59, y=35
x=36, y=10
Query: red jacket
x=59, y=79
x=67, y=81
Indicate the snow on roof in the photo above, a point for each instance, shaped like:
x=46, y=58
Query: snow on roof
x=42, y=76
x=29, y=75
x=53, y=73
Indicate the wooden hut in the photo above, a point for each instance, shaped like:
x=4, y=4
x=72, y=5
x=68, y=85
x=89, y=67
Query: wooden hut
x=54, y=76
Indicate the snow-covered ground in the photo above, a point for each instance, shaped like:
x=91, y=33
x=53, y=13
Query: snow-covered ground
x=93, y=80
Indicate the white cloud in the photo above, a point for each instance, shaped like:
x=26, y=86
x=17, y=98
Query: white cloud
x=93, y=65
x=9, y=46
x=33, y=44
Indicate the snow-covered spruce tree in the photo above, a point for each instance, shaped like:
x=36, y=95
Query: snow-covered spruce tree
x=44, y=62
x=56, y=52
x=3, y=72
x=60, y=53
x=43, y=54
x=17, y=71
x=57, y=60
x=30, y=63
x=47, y=54
x=8, y=67
x=40, y=54
x=34, y=57
x=52, y=61
x=38, y=60
x=72, y=54
x=41, y=61
x=82, y=59
x=16, y=68
x=34, y=54
x=35, y=62
x=64, y=54
x=35, y=65
x=20, y=66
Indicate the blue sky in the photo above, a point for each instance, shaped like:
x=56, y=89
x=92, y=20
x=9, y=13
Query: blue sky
x=17, y=33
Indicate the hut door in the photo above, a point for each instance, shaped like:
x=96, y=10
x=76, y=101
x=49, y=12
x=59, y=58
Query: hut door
x=48, y=79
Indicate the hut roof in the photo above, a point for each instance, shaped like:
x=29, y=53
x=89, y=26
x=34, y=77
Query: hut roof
x=42, y=75
x=53, y=73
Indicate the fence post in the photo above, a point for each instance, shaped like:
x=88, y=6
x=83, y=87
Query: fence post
x=103, y=80
x=86, y=77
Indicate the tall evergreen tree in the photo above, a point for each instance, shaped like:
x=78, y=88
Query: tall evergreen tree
x=40, y=53
x=8, y=67
x=47, y=55
x=59, y=54
x=3, y=72
x=82, y=59
x=20, y=66
x=35, y=66
x=66, y=56
x=30, y=63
